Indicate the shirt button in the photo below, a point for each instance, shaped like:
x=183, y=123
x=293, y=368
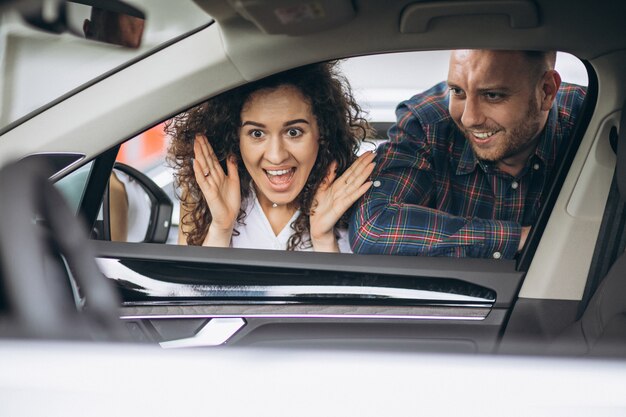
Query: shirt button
x=514, y=185
x=376, y=183
x=536, y=167
x=497, y=255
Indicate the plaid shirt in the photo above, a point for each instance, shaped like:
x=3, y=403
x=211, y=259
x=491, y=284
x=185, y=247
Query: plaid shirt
x=436, y=198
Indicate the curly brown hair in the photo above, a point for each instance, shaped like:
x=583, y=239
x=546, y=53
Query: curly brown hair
x=341, y=129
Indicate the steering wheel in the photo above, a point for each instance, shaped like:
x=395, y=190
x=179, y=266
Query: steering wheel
x=52, y=285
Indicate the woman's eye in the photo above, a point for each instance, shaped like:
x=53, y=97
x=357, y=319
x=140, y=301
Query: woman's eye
x=294, y=132
x=257, y=134
x=455, y=91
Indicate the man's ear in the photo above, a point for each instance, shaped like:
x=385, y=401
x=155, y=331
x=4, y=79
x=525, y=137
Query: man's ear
x=550, y=83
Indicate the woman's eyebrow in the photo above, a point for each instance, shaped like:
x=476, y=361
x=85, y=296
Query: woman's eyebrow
x=248, y=122
x=296, y=121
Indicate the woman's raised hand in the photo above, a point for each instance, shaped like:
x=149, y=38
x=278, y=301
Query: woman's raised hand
x=335, y=196
x=221, y=191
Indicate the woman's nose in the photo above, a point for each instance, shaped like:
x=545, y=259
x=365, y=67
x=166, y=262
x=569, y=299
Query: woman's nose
x=276, y=151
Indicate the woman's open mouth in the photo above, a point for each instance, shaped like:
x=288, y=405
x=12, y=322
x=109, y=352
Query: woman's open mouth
x=280, y=179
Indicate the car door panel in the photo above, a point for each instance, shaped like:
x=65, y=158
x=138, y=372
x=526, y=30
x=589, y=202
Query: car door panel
x=301, y=298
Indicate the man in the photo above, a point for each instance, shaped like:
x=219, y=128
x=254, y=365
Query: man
x=467, y=161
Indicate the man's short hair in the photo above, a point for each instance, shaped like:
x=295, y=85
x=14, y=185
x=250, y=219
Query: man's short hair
x=541, y=61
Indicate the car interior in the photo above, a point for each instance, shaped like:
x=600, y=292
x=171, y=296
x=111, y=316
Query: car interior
x=600, y=329
x=562, y=295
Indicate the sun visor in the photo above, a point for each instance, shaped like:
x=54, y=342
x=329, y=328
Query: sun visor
x=416, y=17
x=291, y=17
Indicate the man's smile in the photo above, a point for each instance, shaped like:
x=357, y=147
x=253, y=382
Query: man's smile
x=484, y=135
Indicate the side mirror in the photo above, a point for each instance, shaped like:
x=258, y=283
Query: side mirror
x=135, y=209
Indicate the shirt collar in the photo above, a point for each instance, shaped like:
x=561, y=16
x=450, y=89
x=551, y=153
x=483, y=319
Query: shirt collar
x=545, y=150
x=468, y=160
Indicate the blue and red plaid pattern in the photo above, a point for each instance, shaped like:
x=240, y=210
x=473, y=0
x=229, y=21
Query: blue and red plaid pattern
x=436, y=198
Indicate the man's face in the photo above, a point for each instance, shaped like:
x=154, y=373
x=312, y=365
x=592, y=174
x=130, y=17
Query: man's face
x=496, y=99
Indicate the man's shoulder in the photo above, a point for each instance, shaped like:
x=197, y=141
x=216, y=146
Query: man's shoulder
x=429, y=106
x=572, y=89
x=570, y=98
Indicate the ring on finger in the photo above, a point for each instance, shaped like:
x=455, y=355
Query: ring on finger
x=206, y=174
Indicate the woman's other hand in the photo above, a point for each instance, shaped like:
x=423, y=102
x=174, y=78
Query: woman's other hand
x=334, y=197
x=221, y=192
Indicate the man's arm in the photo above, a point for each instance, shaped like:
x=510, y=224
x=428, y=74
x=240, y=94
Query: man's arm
x=398, y=217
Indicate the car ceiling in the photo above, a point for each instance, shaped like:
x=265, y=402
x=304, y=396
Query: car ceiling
x=586, y=29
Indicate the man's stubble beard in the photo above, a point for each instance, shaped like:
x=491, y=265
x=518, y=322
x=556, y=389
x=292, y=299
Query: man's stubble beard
x=519, y=139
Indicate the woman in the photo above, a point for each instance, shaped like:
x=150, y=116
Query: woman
x=272, y=164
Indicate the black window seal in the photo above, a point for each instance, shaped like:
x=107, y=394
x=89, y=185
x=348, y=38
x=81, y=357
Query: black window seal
x=610, y=244
x=556, y=180
x=97, y=185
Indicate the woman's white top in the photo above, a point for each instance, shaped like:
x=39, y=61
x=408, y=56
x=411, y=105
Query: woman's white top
x=257, y=231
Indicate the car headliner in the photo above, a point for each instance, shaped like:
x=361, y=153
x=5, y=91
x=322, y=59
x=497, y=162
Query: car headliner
x=585, y=29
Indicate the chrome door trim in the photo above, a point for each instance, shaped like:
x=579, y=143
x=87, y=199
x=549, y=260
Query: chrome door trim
x=216, y=332
x=115, y=270
x=298, y=311
x=305, y=316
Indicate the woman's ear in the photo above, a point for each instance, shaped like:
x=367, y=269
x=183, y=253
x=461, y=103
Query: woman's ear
x=550, y=84
x=331, y=173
